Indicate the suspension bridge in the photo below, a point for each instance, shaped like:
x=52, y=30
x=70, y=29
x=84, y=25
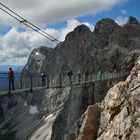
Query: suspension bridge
x=30, y=82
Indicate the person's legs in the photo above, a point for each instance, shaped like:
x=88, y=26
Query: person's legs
x=13, y=86
x=79, y=78
x=47, y=82
x=70, y=80
x=9, y=85
x=43, y=83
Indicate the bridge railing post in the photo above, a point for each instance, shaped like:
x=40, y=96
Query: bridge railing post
x=94, y=77
x=70, y=78
x=9, y=85
x=102, y=75
x=38, y=76
x=73, y=78
x=112, y=75
x=85, y=78
x=21, y=81
x=90, y=77
x=79, y=78
x=60, y=80
x=31, y=81
x=48, y=81
x=105, y=75
x=82, y=78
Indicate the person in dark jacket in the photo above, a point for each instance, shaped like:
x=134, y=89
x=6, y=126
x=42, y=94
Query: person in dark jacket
x=11, y=78
x=1, y=113
x=43, y=77
x=79, y=77
x=86, y=76
x=70, y=75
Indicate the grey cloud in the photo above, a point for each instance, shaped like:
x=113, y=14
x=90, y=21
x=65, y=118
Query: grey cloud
x=42, y=11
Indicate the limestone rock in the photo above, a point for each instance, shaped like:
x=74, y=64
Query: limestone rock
x=87, y=126
x=36, y=59
x=132, y=20
x=70, y=136
x=103, y=29
x=120, y=110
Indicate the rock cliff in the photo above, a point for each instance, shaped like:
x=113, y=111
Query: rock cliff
x=117, y=116
x=109, y=46
x=26, y=111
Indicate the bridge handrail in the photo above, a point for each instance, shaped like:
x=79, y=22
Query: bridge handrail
x=35, y=80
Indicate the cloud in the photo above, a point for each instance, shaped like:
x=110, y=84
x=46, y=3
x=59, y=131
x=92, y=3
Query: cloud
x=123, y=12
x=47, y=11
x=121, y=20
x=16, y=46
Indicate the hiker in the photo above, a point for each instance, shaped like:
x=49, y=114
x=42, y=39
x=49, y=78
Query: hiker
x=1, y=113
x=79, y=77
x=86, y=75
x=99, y=74
x=70, y=75
x=43, y=77
x=11, y=79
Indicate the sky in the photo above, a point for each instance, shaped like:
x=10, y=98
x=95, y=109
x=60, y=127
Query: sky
x=56, y=17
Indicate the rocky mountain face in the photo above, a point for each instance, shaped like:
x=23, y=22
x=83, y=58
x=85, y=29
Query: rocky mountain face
x=108, y=47
x=117, y=117
x=24, y=112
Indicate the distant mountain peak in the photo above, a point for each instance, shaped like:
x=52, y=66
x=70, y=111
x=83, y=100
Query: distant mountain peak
x=105, y=24
x=132, y=20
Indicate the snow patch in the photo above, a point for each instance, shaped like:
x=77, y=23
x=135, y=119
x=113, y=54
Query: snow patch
x=33, y=110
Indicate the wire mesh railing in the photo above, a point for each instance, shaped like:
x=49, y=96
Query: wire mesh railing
x=30, y=81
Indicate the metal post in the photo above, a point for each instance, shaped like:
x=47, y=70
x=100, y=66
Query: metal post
x=21, y=82
x=38, y=80
x=79, y=78
x=48, y=80
x=90, y=77
x=31, y=80
x=51, y=80
x=70, y=79
x=107, y=75
x=60, y=80
x=9, y=85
